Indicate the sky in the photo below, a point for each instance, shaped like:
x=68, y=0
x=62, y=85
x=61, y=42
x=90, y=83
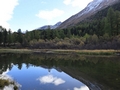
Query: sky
x=32, y=14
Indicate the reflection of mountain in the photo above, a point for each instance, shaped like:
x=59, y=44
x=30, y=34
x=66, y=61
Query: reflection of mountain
x=103, y=72
x=75, y=73
x=57, y=68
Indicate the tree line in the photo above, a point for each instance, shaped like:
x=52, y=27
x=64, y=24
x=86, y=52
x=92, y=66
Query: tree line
x=101, y=33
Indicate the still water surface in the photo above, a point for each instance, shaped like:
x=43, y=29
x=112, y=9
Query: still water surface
x=43, y=78
x=61, y=72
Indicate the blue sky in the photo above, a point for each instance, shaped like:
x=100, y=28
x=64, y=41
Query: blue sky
x=31, y=14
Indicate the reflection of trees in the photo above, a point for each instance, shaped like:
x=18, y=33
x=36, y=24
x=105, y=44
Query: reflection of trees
x=104, y=70
x=4, y=64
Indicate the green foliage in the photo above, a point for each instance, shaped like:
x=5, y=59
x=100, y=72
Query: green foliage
x=95, y=38
x=20, y=36
x=106, y=36
x=9, y=36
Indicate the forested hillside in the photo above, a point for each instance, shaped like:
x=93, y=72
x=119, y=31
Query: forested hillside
x=101, y=31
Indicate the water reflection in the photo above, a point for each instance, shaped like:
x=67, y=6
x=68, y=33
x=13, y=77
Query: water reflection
x=81, y=88
x=40, y=78
x=8, y=86
x=51, y=79
x=62, y=72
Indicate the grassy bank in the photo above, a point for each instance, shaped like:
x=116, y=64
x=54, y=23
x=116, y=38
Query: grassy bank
x=90, y=52
x=61, y=51
x=15, y=51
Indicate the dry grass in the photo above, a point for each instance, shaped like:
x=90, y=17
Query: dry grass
x=15, y=51
x=63, y=51
x=90, y=52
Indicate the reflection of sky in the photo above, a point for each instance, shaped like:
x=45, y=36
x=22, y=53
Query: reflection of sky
x=82, y=88
x=4, y=76
x=39, y=78
x=50, y=79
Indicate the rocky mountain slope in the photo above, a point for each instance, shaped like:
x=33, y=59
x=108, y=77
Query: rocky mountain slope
x=91, y=9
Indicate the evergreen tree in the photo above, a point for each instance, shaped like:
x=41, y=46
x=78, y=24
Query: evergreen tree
x=14, y=37
x=9, y=37
x=1, y=34
x=68, y=33
x=62, y=35
x=107, y=28
x=4, y=37
x=27, y=36
x=20, y=37
x=117, y=22
x=111, y=20
x=48, y=34
x=56, y=33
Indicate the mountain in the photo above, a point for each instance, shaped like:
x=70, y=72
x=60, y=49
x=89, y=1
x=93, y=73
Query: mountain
x=91, y=9
x=49, y=26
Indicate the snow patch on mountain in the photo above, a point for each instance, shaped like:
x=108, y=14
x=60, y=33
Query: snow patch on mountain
x=95, y=6
x=91, y=7
x=49, y=26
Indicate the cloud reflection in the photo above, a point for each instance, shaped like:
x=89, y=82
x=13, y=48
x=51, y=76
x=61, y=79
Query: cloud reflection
x=4, y=76
x=82, y=88
x=50, y=79
x=10, y=87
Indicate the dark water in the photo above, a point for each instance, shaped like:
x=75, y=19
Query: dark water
x=61, y=72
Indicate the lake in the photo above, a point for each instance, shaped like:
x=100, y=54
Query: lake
x=60, y=71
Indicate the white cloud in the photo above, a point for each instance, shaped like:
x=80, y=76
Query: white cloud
x=77, y=3
x=82, y=88
x=67, y=2
x=50, y=79
x=6, y=11
x=49, y=15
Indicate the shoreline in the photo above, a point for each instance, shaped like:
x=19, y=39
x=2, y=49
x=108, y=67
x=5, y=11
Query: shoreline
x=61, y=51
